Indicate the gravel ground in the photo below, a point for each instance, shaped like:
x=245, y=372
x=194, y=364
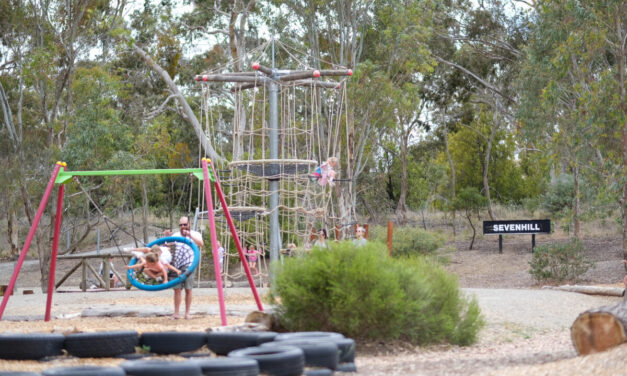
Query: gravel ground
x=527, y=331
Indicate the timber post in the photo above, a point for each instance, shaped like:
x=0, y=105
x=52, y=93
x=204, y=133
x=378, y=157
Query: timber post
x=389, y=238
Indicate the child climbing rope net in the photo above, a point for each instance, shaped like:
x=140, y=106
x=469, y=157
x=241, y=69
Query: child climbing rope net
x=325, y=173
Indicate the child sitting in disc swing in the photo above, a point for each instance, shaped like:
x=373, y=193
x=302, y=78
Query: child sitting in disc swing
x=325, y=173
x=165, y=256
x=154, y=271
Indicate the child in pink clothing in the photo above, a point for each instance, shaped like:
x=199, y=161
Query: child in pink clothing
x=325, y=173
x=251, y=254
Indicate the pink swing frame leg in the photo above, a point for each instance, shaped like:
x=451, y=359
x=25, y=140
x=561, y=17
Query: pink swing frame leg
x=55, y=249
x=238, y=244
x=29, y=238
x=214, y=240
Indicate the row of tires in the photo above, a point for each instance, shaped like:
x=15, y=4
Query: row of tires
x=248, y=353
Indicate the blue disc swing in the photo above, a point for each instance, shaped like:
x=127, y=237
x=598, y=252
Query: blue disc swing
x=180, y=279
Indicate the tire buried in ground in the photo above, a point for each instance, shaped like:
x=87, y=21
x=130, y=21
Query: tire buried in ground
x=318, y=372
x=228, y=366
x=84, y=371
x=345, y=345
x=223, y=343
x=276, y=360
x=173, y=342
x=317, y=353
x=101, y=344
x=346, y=367
x=156, y=367
x=307, y=335
x=30, y=346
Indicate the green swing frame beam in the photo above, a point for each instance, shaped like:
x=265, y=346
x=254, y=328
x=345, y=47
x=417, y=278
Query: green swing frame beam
x=64, y=176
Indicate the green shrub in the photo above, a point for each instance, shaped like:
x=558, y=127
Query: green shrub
x=409, y=241
x=559, y=262
x=364, y=294
x=559, y=196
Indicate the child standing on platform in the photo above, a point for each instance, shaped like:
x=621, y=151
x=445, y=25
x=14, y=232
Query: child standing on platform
x=251, y=254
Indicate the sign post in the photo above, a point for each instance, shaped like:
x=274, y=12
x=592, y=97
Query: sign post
x=517, y=227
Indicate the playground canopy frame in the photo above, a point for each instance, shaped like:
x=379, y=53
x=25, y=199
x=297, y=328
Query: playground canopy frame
x=60, y=176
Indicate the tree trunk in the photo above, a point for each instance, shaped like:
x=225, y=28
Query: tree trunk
x=620, y=64
x=186, y=111
x=600, y=328
x=486, y=166
x=13, y=233
x=576, y=204
x=145, y=210
x=474, y=232
x=452, y=167
x=401, y=207
x=132, y=225
x=589, y=290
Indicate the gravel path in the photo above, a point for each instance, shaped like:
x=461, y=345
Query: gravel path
x=525, y=327
x=534, y=309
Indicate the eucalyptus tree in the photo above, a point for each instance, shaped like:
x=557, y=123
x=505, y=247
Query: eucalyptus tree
x=574, y=94
x=41, y=43
x=234, y=29
x=484, y=43
x=334, y=33
x=400, y=50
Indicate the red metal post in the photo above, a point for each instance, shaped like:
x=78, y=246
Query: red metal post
x=238, y=244
x=29, y=237
x=214, y=241
x=55, y=248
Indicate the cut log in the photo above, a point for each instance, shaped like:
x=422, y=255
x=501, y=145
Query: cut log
x=3, y=289
x=600, y=328
x=590, y=290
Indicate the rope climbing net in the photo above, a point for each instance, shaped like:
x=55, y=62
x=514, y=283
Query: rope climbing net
x=309, y=119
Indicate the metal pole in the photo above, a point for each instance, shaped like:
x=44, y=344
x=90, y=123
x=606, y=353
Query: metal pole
x=533, y=242
x=238, y=244
x=55, y=249
x=214, y=240
x=274, y=183
x=500, y=243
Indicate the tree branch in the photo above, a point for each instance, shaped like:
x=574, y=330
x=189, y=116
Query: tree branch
x=190, y=117
x=481, y=80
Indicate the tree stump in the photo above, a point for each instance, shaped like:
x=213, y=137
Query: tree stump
x=599, y=329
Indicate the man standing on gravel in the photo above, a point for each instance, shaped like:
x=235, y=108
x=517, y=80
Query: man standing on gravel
x=183, y=257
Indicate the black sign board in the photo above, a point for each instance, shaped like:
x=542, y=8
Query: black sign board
x=533, y=226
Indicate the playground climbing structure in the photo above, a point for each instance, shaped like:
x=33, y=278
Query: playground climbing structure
x=284, y=124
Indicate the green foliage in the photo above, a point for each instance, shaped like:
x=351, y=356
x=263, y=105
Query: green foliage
x=409, y=241
x=95, y=133
x=559, y=262
x=468, y=147
x=470, y=201
x=364, y=294
x=559, y=196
